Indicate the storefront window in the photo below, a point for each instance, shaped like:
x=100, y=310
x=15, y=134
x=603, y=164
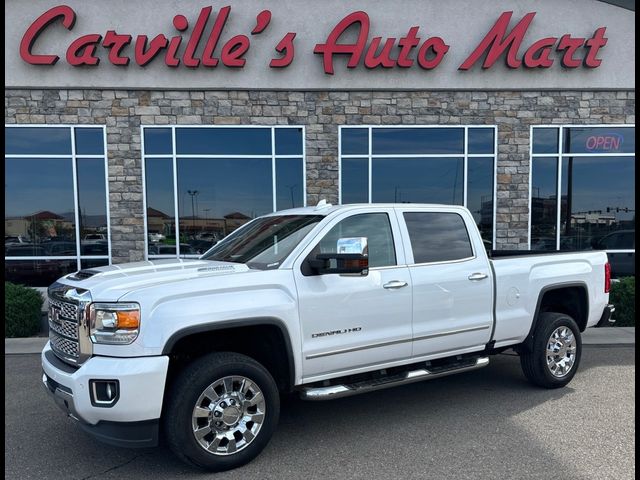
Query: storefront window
x=595, y=174
x=448, y=165
x=202, y=183
x=56, y=202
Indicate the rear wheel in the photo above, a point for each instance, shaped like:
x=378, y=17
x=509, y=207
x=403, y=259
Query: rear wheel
x=555, y=356
x=221, y=411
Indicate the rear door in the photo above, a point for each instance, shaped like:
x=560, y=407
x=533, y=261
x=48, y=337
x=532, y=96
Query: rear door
x=451, y=279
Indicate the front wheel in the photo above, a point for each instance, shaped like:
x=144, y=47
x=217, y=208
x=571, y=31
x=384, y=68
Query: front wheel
x=555, y=356
x=221, y=411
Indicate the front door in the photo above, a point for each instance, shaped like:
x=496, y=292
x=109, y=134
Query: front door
x=351, y=323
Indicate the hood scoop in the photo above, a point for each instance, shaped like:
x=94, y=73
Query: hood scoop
x=83, y=274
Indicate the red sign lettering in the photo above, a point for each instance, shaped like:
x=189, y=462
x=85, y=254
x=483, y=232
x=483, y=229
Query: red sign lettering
x=377, y=52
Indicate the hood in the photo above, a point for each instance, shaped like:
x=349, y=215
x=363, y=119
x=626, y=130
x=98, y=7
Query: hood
x=109, y=283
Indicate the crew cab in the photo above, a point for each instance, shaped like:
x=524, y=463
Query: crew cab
x=325, y=301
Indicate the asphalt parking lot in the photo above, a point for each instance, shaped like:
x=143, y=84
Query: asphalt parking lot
x=485, y=424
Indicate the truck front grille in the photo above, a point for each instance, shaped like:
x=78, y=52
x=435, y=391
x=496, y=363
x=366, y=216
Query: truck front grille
x=63, y=330
x=64, y=347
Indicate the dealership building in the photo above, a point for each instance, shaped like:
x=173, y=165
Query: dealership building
x=152, y=129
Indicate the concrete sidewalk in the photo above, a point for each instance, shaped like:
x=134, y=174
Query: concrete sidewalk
x=593, y=336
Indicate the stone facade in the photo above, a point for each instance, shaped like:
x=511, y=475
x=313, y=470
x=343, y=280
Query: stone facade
x=123, y=111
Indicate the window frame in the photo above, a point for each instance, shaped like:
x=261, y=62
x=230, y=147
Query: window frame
x=560, y=155
x=465, y=156
x=74, y=158
x=174, y=158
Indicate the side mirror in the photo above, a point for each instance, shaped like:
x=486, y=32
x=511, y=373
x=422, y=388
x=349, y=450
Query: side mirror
x=351, y=257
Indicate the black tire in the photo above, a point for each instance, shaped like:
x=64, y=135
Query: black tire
x=534, y=362
x=187, y=389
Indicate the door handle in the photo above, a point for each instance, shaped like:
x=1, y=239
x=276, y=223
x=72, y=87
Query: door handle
x=395, y=284
x=474, y=277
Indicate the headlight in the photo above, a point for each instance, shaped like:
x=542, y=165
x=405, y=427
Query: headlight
x=114, y=323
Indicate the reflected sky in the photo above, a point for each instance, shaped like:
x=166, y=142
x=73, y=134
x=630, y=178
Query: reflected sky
x=225, y=186
x=418, y=180
x=37, y=141
x=394, y=141
x=33, y=185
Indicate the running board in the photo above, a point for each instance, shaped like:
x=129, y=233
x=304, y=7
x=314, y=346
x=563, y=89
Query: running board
x=346, y=390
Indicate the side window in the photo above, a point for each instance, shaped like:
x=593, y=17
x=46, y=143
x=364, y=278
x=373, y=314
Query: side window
x=374, y=226
x=437, y=237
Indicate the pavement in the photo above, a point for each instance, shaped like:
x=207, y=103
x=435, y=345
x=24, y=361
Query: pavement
x=605, y=336
x=486, y=424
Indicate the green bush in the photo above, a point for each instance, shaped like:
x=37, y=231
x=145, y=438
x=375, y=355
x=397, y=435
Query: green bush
x=22, y=310
x=623, y=297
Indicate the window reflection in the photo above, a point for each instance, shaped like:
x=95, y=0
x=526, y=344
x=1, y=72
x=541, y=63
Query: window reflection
x=396, y=141
x=223, y=141
x=216, y=196
x=289, y=187
x=39, y=207
x=288, y=141
x=545, y=140
x=37, y=273
x=599, y=140
x=480, y=195
x=596, y=203
x=544, y=200
x=92, y=203
x=480, y=140
x=417, y=180
x=161, y=228
x=37, y=141
x=355, y=141
x=355, y=180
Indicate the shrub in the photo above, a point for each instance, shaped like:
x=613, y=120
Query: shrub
x=22, y=310
x=623, y=297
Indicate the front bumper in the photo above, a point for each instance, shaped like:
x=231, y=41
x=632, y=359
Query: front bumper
x=606, y=320
x=133, y=420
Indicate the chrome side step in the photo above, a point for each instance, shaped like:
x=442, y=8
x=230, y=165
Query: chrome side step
x=346, y=390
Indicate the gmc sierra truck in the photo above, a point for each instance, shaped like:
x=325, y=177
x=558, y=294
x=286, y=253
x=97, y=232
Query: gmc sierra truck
x=325, y=301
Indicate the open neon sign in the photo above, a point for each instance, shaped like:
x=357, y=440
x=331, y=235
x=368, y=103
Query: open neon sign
x=604, y=143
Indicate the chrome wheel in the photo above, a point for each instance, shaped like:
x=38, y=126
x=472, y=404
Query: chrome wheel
x=561, y=351
x=228, y=415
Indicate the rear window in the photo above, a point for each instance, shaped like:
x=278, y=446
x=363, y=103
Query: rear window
x=437, y=237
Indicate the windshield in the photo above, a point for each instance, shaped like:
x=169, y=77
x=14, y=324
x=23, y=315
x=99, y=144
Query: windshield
x=265, y=242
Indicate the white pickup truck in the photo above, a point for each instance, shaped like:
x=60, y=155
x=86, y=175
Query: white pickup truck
x=326, y=301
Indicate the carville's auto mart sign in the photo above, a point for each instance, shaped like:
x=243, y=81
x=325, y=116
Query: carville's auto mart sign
x=306, y=45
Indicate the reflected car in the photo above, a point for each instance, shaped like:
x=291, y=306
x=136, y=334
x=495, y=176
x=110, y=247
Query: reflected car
x=201, y=246
x=623, y=264
x=100, y=247
x=156, y=237
x=56, y=248
x=25, y=250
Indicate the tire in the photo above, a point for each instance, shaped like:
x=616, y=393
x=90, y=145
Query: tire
x=223, y=375
x=537, y=367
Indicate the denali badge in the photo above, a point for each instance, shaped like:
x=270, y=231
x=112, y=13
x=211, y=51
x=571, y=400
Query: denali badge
x=336, y=332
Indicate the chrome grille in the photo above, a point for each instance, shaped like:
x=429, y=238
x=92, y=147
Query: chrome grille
x=63, y=346
x=67, y=310
x=63, y=329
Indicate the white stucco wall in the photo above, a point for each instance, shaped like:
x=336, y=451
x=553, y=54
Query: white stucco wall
x=461, y=23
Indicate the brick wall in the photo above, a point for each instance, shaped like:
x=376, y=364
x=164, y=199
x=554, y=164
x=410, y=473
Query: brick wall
x=321, y=112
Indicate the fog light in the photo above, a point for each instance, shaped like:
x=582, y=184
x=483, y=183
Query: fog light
x=104, y=393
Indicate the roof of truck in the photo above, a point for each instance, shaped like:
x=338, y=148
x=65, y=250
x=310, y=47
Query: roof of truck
x=327, y=208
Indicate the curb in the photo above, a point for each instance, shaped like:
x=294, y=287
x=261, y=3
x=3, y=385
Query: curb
x=606, y=337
